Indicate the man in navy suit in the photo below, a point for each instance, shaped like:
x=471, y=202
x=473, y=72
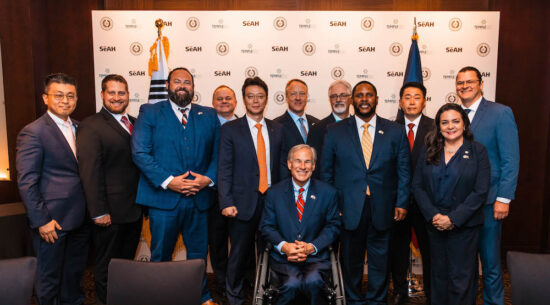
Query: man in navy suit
x=301, y=220
x=50, y=187
x=250, y=161
x=366, y=158
x=493, y=125
x=175, y=145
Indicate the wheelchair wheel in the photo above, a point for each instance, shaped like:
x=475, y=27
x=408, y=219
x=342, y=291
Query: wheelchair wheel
x=261, y=278
x=338, y=293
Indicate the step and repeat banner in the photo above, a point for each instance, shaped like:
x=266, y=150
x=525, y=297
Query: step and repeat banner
x=319, y=47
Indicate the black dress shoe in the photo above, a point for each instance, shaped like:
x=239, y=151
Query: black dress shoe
x=400, y=298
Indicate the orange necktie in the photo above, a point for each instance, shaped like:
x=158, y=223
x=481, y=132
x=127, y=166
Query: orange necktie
x=260, y=152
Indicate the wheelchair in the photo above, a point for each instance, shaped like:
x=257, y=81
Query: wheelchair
x=267, y=281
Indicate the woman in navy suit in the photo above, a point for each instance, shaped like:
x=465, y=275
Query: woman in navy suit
x=450, y=184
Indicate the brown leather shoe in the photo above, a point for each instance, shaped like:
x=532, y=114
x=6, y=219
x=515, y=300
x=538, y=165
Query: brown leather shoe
x=209, y=302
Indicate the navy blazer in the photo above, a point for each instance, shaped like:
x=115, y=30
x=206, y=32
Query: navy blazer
x=238, y=170
x=469, y=192
x=494, y=127
x=292, y=134
x=388, y=176
x=47, y=176
x=161, y=148
x=320, y=223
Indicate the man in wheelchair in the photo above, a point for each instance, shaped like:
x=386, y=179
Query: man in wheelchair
x=301, y=220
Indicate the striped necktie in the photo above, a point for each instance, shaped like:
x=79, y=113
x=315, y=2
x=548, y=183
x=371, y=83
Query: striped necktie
x=366, y=146
x=300, y=204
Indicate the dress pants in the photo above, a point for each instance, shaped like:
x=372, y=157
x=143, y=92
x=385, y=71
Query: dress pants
x=399, y=250
x=114, y=241
x=167, y=224
x=61, y=266
x=306, y=278
x=353, y=245
x=454, y=261
x=489, y=252
x=242, y=235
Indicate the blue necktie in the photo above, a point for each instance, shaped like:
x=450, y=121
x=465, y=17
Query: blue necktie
x=303, y=130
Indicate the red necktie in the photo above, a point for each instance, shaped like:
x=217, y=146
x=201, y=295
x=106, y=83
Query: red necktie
x=127, y=123
x=300, y=204
x=410, y=135
x=184, y=117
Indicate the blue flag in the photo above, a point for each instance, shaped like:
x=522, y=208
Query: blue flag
x=413, y=72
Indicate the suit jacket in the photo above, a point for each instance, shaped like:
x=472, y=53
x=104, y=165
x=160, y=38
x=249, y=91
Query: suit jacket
x=469, y=192
x=424, y=126
x=238, y=170
x=320, y=223
x=388, y=175
x=161, y=147
x=47, y=176
x=109, y=176
x=494, y=127
x=317, y=133
x=292, y=135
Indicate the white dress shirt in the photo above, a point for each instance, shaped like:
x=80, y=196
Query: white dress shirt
x=371, y=130
x=296, y=118
x=265, y=135
x=70, y=135
x=415, y=127
x=118, y=116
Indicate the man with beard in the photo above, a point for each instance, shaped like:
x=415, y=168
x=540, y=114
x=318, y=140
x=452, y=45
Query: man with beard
x=366, y=158
x=339, y=94
x=110, y=179
x=175, y=145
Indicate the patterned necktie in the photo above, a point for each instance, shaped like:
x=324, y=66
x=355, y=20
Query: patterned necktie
x=69, y=135
x=410, y=135
x=184, y=117
x=303, y=129
x=127, y=123
x=366, y=146
x=262, y=163
x=300, y=204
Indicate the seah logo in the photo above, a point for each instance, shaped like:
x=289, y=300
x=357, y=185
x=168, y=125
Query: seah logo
x=196, y=98
x=453, y=50
x=251, y=23
x=394, y=74
x=250, y=72
x=308, y=48
x=455, y=24
x=222, y=48
x=106, y=23
x=425, y=24
x=338, y=23
x=364, y=74
x=396, y=49
x=167, y=23
x=193, y=49
x=337, y=73
x=107, y=49
x=485, y=74
x=136, y=73
x=483, y=49
x=451, y=98
x=276, y=49
x=136, y=48
x=279, y=97
x=366, y=49
x=426, y=73
x=367, y=23
x=222, y=73
x=308, y=73
x=279, y=23
x=193, y=23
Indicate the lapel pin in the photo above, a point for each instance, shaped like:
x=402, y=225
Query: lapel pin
x=466, y=157
x=466, y=152
x=380, y=131
x=312, y=197
x=200, y=113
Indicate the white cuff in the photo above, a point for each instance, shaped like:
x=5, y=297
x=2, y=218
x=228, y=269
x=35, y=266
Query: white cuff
x=164, y=185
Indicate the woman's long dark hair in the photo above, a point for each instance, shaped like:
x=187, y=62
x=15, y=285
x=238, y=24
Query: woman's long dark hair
x=434, y=139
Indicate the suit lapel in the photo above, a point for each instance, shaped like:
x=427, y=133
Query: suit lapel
x=56, y=134
x=467, y=151
x=112, y=122
x=290, y=122
x=377, y=141
x=173, y=124
x=247, y=137
x=272, y=151
x=356, y=142
x=291, y=204
x=479, y=114
x=309, y=205
x=423, y=127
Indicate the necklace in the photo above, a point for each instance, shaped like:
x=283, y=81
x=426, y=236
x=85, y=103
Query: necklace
x=449, y=151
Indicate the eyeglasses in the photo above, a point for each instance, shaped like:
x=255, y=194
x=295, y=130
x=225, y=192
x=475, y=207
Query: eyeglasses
x=468, y=82
x=258, y=96
x=59, y=96
x=341, y=96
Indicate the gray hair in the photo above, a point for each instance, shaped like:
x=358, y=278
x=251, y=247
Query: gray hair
x=302, y=146
x=340, y=82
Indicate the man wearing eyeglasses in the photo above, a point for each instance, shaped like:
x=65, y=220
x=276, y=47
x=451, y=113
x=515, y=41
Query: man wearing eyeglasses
x=297, y=124
x=339, y=94
x=50, y=187
x=494, y=126
x=250, y=161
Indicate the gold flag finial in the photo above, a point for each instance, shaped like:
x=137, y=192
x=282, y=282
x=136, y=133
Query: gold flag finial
x=159, y=24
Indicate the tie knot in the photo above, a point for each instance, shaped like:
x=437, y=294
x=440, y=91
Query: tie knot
x=411, y=125
x=67, y=123
x=301, y=120
x=124, y=119
x=301, y=190
x=366, y=125
x=183, y=111
x=259, y=126
x=467, y=110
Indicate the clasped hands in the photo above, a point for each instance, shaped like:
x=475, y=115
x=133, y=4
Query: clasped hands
x=189, y=187
x=442, y=222
x=297, y=251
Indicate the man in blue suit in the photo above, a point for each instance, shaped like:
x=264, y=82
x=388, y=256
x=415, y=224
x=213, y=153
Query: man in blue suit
x=175, y=145
x=366, y=158
x=50, y=187
x=301, y=220
x=493, y=125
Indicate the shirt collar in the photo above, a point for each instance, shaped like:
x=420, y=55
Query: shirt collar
x=337, y=118
x=297, y=187
x=475, y=105
x=415, y=122
x=178, y=108
x=117, y=116
x=58, y=120
x=252, y=123
x=360, y=122
x=295, y=117
x=224, y=120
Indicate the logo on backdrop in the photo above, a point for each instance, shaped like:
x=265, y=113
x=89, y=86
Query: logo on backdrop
x=306, y=25
x=451, y=75
x=136, y=73
x=396, y=49
x=394, y=25
x=309, y=73
x=423, y=49
x=483, y=49
x=279, y=23
x=107, y=72
x=107, y=49
x=485, y=74
x=222, y=73
x=367, y=23
x=391, y=100
x=193, y=23
x=132, y=25
x=309, y=48
x=196, y=98
x=250, y=72
x=452, y=98
x=363, y=75
x=335, y=50
x=193, y=49
x=390, y=74
x=366, y=49
x=455, y=24
x=337, y=73
x=219, y=25
x=136, y=98
x=279, y=97
x=426, y=74
x=248, y=50
x=453, y=50
x=136, y=48
x=247, y=23
x=279, y=49
x=106, y=23
x=481, y=26
x=222, y=48
x=278, y=74
x=338, y=23
x=425, y=24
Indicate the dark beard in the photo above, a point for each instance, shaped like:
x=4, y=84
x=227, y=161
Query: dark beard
x=181, y=101
x=366, y=115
